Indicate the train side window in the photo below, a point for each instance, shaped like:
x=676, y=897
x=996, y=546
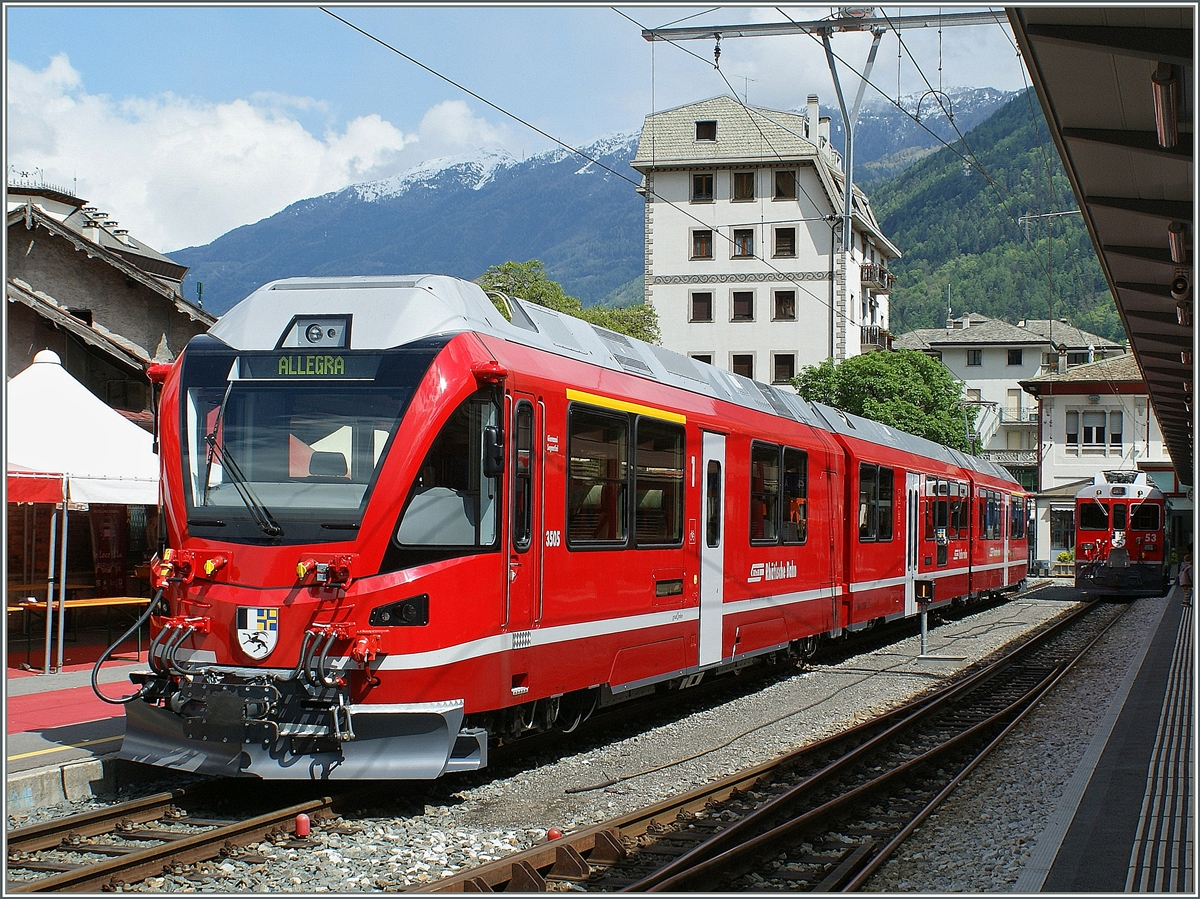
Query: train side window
x=764, y=493
x=658, y=487
x=598, y=478
x=1093, y=516
x=959, y=511
x=1016, y=529
x=795, y=495
x=452, y=503
x=1118, y=516
x=712, y=529
x=886, y=502
x=523, y=477
x=1145, y=518
x=868, y=501
x=941, y=515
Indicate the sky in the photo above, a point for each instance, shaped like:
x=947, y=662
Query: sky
x=184, y=123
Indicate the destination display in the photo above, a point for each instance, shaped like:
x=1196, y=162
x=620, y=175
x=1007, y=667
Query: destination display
x=301, y=366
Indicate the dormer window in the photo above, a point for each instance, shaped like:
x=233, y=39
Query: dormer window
x=706, y=130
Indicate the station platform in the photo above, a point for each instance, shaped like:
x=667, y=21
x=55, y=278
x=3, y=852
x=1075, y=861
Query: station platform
x=1126, y=822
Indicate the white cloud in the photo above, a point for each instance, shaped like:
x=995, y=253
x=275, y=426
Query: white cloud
x=181, y=171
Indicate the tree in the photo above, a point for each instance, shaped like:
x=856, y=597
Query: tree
x=906, y=389
x=528, y=281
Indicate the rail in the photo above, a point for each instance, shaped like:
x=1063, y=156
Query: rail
x=679, y=844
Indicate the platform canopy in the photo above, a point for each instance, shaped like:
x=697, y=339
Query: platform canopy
x=59, y=431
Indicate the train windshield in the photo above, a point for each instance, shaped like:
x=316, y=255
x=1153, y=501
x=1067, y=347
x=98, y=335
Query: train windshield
x=291, y=458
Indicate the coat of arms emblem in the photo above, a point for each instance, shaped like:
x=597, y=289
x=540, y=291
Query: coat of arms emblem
x=257, y=631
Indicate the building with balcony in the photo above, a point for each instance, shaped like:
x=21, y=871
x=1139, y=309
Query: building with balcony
x=744, y=262
x=1097, y=417
x=992, y=358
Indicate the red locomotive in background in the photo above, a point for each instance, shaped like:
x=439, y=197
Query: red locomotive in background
x=1121, y=548
x=401, y=523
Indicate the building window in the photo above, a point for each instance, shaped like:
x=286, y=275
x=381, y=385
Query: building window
x=1076, y=359
x=743, y=185
x=743, y=364
x=785, y=184
x=702, y=187
x=1115, y=420
x=1093, y=429
x=702, y=244
x=1014, y=357
x=1072, y=428
x=785, y=306
x=785, y=368
x=743, y=242
x=702, y=306
x=1062, y=530
x=706, y=130
x=706, y=358
x=785, y=241
x=974, y=395
x=743, y=306
x=974, y=357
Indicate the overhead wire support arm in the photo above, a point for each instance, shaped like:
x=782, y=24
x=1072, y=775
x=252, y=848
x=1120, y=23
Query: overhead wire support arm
x=848, y=23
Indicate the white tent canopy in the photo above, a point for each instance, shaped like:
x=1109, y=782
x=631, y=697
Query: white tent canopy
x=55, y=424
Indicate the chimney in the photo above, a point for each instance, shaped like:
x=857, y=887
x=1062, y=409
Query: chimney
x=123, y=236
x=824, y=130
x=814, y=116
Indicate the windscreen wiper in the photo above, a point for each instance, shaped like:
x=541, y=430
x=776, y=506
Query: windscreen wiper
x=261, y=514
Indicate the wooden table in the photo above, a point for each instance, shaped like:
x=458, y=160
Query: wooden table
x=106, y=602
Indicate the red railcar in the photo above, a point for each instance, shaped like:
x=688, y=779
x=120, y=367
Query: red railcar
x=402, y=524
x=1121, y=550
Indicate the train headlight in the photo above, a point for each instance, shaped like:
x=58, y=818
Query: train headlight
x=411, y=612
x=314, y=333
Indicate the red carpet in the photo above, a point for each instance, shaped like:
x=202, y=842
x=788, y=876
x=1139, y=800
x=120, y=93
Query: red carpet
x=42, y=711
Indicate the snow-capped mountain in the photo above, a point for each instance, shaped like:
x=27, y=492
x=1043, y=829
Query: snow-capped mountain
x=578, y=212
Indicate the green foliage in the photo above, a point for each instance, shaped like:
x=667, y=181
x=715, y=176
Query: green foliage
x=964, y=243
x=906, y=389
x=529, y=281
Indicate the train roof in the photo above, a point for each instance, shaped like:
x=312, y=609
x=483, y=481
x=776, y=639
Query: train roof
x=1110, y=484
x=419, y=306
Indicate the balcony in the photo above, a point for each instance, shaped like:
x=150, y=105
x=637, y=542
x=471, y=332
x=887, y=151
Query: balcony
x=1019, y=416
x=877, y=276
x=1011, y=457
x=875, y=338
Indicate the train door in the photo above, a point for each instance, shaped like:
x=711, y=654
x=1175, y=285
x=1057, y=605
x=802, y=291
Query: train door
x=712, y=550
x=526, y=540
x=912, y=537
x=1005, y=532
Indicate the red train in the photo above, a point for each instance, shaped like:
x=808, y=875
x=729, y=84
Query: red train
x=1121, y=548
x=401, y=524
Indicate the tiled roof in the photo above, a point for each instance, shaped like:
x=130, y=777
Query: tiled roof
x=982, y=330
x=993, y=331
x=1122, y=368
x=1065, y=332
x=743, y=132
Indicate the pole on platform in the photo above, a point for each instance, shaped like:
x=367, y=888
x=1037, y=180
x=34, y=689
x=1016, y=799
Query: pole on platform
x=924, y=630
x=62, y=584
x=50, y=590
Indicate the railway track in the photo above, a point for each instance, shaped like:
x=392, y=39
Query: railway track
x=822, y=818
x=104, y=849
